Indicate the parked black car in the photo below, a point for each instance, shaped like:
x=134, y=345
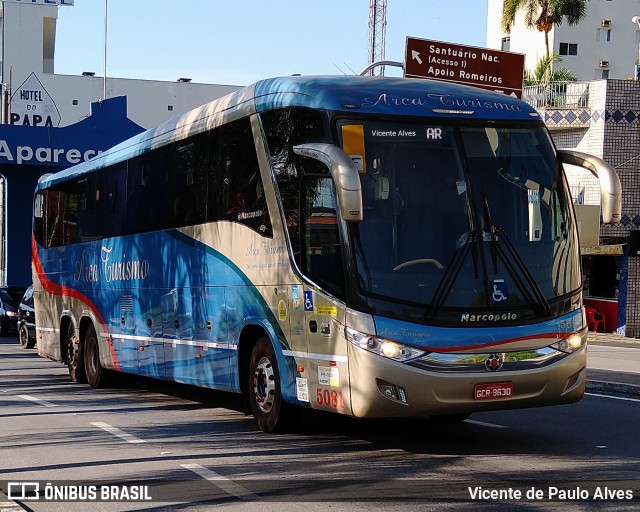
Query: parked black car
x=27, y=320
x=10, y=297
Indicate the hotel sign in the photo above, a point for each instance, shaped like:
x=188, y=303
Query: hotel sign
x=469, y=65
x=31, y=105
x=39, y=2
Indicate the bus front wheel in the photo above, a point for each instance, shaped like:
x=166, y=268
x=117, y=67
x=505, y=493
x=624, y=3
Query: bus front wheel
x=75, y=356
x=92, y=367
x=269, y=410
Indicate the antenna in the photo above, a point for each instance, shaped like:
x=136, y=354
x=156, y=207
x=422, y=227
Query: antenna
x=377, y=33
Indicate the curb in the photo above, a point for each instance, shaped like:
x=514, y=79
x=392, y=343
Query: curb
x=613, y=387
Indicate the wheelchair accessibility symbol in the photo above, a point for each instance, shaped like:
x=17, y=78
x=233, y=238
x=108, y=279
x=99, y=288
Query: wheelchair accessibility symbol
x=500, y=291
x=308, y=301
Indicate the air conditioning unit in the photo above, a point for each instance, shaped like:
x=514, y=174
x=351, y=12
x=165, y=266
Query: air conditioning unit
x=606, y=23
x=604, y=63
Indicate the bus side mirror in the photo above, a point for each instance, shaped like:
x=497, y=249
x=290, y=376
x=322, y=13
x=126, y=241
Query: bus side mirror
x=610, y=188
x=344, y=174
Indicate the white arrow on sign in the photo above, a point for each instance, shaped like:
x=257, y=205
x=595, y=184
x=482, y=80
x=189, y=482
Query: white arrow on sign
x=416, y=56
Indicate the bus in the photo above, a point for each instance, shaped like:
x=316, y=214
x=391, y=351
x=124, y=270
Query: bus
x=373, y=247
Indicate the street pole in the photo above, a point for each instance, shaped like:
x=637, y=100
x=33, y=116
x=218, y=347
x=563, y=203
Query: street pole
x=104, y=80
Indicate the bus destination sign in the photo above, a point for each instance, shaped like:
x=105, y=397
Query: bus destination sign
x=469, y=65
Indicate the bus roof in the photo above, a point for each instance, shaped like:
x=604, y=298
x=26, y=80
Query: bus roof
x=349, y=94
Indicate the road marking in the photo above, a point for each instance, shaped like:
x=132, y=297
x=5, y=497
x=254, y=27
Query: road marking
x=615, y=397
x=10, y=506
x=37, y=400
x=483, y=424
x=118, y=433
x=224, y=483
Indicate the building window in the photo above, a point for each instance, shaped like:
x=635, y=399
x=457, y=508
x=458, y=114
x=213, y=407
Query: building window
x=568, y=49
x=605, y=74
x=506, y=44
x=603, y=35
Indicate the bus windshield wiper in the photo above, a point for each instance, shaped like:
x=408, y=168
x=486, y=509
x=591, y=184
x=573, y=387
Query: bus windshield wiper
x=467, y=242
x=489, y=227
x=512, y=255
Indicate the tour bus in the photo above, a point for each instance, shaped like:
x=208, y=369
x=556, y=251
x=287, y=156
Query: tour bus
x=373, y=247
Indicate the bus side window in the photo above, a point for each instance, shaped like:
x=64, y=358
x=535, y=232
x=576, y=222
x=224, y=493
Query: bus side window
x=39, y=221
x=284, y=128
x=188, y=181
x=145, y=192
x=237, y=173
x=322, y=261
x=56, y=217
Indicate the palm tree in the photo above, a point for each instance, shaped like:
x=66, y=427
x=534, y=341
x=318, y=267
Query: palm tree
x=544, y=72
x=552, y=83
x=543, y=15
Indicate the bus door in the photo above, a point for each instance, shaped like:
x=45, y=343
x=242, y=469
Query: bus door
x=322, y=263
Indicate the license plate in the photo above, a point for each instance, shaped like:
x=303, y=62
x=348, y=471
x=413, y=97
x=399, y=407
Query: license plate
x=493, y=390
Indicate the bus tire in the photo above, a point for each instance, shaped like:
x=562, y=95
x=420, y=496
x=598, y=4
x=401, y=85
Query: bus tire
x=75, y=356
x=271, y=413
x=96, y=375
x=26, y=341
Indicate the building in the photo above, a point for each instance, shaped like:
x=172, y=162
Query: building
x=602, y=117
x=49, y=122
x=605, y=44
x=599, y=115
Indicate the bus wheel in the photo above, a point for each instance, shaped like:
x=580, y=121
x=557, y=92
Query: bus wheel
x=92, y=367
x=75, y=359
x=270, y=412
x=25, y=340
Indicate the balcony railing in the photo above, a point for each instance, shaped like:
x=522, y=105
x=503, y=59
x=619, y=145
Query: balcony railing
x=557, y=95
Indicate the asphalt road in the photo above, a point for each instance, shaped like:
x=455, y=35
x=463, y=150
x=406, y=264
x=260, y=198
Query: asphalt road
x=188, y=449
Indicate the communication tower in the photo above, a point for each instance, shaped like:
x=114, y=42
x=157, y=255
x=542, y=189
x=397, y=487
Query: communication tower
x=377, y=34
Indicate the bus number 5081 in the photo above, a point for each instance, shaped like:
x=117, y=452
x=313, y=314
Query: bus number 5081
x=330, y=398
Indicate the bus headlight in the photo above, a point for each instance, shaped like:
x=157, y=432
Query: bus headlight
x=569, y=344
x=382, y=347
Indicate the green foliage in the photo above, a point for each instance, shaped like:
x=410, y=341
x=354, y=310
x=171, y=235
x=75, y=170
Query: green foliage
x=543, y=15
x=544, y=72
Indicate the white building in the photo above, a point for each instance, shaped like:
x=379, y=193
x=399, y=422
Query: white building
x=49, y=122
x=39, y=96
x=605, y=44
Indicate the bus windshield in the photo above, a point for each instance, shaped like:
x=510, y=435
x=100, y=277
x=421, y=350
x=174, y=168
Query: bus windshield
x=461, y=216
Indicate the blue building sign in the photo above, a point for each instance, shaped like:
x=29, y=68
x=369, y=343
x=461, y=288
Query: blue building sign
x=28, y=152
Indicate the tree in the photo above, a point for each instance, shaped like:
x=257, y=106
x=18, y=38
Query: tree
x=544, y=72
x=543, y=15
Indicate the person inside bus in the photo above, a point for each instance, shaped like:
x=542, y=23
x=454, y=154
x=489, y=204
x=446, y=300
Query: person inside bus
x=259, y=204
x=240, y=207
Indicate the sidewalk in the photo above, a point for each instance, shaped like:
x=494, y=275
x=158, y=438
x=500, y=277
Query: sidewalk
x=613, y=363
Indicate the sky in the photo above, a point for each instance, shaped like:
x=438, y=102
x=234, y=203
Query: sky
x=237, y=42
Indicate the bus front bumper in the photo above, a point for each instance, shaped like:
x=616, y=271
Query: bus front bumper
x=382, y=388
